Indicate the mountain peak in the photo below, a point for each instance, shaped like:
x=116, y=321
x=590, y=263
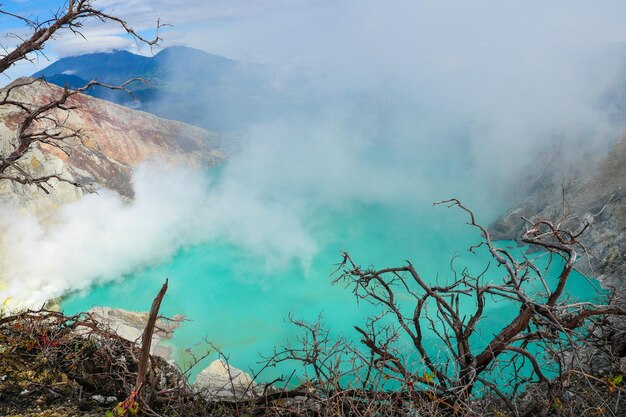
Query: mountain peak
x=184, y=83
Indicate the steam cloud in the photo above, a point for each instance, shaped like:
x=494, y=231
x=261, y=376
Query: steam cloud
x=396, y=101
x=100, y=237
x=266, y=201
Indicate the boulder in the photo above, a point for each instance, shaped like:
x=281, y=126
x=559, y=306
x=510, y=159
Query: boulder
x=130, y=325
x=221, y=381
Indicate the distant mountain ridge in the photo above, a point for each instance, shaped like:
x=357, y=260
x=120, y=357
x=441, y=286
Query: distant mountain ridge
x=116, y=66
x=184, y=84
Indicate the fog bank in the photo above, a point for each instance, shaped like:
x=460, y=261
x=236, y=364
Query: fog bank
x=365, y=102
x=101, y=238
x=481, y=86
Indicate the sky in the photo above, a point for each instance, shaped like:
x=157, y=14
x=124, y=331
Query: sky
x=187, y=23
x=344, y=33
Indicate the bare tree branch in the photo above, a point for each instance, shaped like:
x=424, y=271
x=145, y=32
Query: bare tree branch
x=45, y=123
x=542, y=318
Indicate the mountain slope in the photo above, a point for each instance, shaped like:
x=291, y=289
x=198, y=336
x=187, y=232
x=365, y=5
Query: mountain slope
x=596, y=192
x=184, y=84
x=117, y=64
x=115, y=140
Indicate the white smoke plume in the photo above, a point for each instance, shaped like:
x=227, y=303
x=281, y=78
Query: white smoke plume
x=405, y=101
x=101, y=238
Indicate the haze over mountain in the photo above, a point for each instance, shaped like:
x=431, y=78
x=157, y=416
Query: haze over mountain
x=184, y=84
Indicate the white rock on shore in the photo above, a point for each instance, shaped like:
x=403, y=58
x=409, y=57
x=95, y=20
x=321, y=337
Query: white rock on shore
x=220, y=381
x=130, y=325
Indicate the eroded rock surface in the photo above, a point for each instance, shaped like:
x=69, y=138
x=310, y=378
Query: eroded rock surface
x=114, y=140
x=596, y=193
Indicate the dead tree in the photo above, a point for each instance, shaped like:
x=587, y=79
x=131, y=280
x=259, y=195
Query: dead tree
x=416, y=307
x=44, y=123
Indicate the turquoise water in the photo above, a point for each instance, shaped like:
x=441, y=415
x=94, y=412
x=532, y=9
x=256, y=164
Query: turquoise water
x=240, y=302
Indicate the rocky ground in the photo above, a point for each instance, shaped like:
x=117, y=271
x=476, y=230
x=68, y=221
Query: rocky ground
x=75, y=364
x=594, y=191
x=57, y=366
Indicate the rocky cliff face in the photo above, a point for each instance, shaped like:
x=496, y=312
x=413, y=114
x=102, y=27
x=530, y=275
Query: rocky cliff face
x=596, y=191
x=114, y=140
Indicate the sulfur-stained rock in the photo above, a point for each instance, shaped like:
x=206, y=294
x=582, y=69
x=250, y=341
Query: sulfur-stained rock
x=114, y=140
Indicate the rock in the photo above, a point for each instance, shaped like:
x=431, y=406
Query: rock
x=601, y=365
x=130, y=325
x=221, y=381
x=596, y=192
x=98, y=398
x=111, y=400
x=569, y=395
x=511, y=223
x=618, y=342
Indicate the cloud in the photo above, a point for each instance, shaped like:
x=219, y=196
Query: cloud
x=142, y=16
x=101, y=238
x=501, y=78
x=96, y=43
x=271, y=200
x=145, y=13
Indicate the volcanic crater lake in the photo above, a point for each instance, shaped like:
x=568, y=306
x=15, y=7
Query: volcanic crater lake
x=239, y=301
